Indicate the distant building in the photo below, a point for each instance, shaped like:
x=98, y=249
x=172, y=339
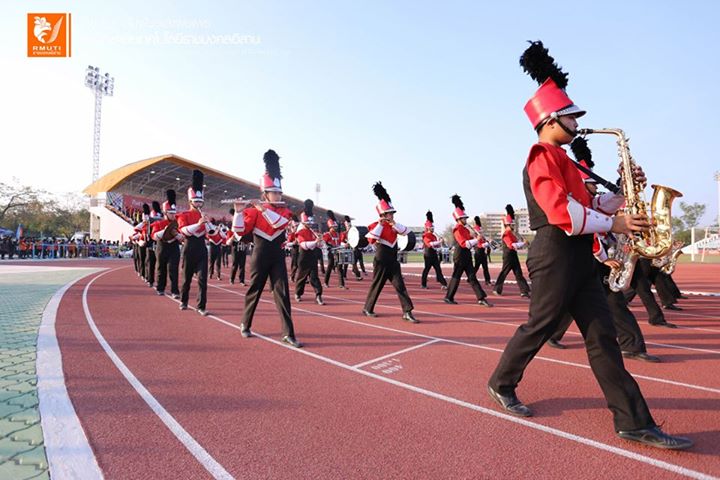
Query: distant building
x=493, y=223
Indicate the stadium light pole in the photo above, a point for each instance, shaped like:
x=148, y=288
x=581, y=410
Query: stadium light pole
x=102, y=85
x=717, y=179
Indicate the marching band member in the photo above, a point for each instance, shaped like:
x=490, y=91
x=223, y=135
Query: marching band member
x=462, y=258
x=238, y=253
x=562, y=266
x=150, y=257
x=357, y=252
x=217, y=235
x=294, y=248
x=511, y=262
x=267, y=222
x=308, y=241
x=383, y=234
x=193, y=225
x=167, y=237
x=481, y=257
x=431, y=242
x=331, y=238
x=141, y=238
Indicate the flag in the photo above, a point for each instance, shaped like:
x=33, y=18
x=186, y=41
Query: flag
x=19, y=231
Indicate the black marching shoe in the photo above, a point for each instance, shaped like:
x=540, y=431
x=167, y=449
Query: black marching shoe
x=449, y=301
x=203, y=312
x=291, y=341
x=555, y=344
x=655, y=437
x=672, y=307
x=682, y=297
x=484, y=303
x=408, y=317
x=424, y=287
x=183, y=306
x=175, y=296
x=245, y=331
x=510, y=403
x=664, y=324
x=319, y=300
x=368, y=313
x=160, y=293
x=297, y=298
x=525, y=295
x=644, y=356
x=443, y=287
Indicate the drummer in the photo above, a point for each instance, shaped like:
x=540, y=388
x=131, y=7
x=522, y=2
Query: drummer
x=357, y=242
x=384, y=234
x=332, y=240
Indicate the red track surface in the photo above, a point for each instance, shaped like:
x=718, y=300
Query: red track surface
x=265, y=411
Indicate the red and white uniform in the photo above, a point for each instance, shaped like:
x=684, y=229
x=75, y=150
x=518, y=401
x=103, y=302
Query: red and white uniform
x=511, y=241
x=560, y=192
x=269, y=224
x=306, y=238
x=157, y=230
x=344, y=239
x=431, y=240
x=332, y=239
x=385, y=234
x=217, y=238
x=463, y=237
x=188, y=224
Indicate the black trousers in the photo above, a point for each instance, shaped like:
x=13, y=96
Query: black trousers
x=431, y=259
x=151, y=263
x=238, y=263
x=268, y=261
x=142, y=259
x=358, y=260
x=663, y=287
x=195, y=260
x=332, y=266
x=462, y=263
x=511, y=262
x=215, y=259
x=136, y=257
x=294, y=261
x=386, y=267
x=629, y=335
x=562, y=269
x=307, y=270
x=225, y=251
x=481, y=259
x=640, y=285
x=320, y=260
x=168, y=261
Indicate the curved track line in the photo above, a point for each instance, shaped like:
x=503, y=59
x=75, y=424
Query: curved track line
x=461, y=403
x=67, y=447
x=206, y=460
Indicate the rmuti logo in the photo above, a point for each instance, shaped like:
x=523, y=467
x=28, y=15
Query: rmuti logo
x=48, y=34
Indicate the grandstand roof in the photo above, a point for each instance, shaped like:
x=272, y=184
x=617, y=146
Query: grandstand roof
x=153, y=176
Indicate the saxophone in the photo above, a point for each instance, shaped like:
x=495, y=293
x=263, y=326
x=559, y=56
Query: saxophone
x=655, y=243
x=668, y=262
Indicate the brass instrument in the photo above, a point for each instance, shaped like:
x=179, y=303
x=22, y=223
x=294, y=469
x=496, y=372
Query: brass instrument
x=170, y=232
x=654, y=243
x=668, y=263
x=251, y=200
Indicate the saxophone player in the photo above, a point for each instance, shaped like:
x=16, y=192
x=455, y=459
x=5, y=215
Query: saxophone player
x=561, y=263
x=511, y=262
x=309, y=242
x=165, y=233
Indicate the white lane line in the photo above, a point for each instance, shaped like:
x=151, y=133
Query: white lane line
x=206, y=460
x=671, y=467
x=477, y=346
x=67, y=447
x=399, y=352
x=511, y=324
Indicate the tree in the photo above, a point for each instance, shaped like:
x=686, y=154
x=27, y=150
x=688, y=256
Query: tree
x=15, y=197
x=692, y=214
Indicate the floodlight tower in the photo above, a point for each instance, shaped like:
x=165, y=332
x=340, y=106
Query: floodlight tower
x=102, y=85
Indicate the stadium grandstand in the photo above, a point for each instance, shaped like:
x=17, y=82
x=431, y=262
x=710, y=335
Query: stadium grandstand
x=116, y=198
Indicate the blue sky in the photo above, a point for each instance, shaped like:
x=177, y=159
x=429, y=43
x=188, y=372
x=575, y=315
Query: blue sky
x=425, y=96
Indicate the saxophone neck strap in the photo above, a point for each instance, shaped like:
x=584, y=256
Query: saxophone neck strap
x=605, y=183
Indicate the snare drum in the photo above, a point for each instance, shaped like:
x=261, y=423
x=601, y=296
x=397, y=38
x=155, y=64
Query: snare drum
x=344, y=256
x=406, y=243
x=357, y=238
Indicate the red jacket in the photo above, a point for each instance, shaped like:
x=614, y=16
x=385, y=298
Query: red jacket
x=511, y=241
x=332, y=239
x=384, y=233
x=430, y=240
x=463, y=236
x=187, y=224
x=269, y=224
x=306, y=238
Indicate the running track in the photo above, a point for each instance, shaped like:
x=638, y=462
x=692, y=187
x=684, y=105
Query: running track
x=368, y=398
